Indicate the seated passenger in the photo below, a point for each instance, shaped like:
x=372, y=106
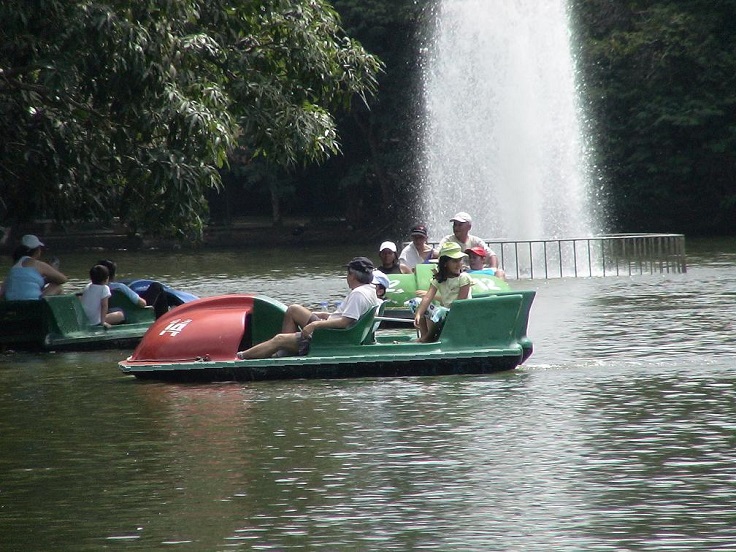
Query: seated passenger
x=299, y=322
x=381, y=282
x=30, y=278
x=462, y=222
x=451, y=283
x=418, y=251
x=154, y=295
x=96, y=297
x=389, y=258
x=476, y=262
x=112, y=268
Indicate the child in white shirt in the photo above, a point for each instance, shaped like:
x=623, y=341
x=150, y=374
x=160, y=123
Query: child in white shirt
x=95, y=299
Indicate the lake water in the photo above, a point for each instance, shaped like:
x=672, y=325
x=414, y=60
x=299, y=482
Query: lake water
x=618, y=434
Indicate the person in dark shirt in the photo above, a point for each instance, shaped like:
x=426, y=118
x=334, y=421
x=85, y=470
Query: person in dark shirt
x=389, y=258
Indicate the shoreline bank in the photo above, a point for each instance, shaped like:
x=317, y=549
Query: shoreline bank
x=246, y=232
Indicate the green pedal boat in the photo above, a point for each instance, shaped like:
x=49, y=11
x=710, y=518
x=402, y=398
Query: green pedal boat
x=59, y=323
x=199, y=341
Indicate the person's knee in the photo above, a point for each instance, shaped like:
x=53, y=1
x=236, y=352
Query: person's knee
x=115, y=317
x=299, y=316
x=286, y=341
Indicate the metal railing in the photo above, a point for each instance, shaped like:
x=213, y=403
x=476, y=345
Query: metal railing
x=610, y=255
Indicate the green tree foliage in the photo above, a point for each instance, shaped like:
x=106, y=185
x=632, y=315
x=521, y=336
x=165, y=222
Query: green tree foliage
x=660, y=78
x=376, y=173
x=128, y=108
x=380, y=168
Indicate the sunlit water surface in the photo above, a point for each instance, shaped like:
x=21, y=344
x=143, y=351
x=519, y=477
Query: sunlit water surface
x=618, y=434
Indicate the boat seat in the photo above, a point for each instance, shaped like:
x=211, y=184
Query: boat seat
x=68, y=314
x=371, y=337
x=520, y=327
x=495, y=321
x=134, y=314
x=362, y=332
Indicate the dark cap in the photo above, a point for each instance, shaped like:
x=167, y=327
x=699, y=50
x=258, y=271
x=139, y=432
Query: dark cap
x=419, y=230
x=361, y=264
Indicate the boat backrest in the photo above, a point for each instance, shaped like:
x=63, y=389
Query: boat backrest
x=67, y=314
x=266, y=318
x=359, y=333
x=484, y=321
x=371, y=336
x=522, y=322
x=134, y=314
x=424, y=273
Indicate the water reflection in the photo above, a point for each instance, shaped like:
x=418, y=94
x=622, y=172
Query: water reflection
x=651, y=318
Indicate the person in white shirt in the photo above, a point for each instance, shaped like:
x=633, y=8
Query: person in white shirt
x=112, y=268
x=299, y=322
x=462, y=222
x=418, y=251
x=95, y=299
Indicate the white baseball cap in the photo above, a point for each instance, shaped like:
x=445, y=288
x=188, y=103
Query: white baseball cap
x=387, y=245
x=462, y=216
x=31, y=242
x=380, y=278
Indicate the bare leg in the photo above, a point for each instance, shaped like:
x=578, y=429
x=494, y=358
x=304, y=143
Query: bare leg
x=295, y=318
x=423, y=330
x=116, y=317
x=426, y=331
x=286, y=341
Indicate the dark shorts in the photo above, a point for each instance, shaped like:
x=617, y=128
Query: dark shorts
x=302, y=342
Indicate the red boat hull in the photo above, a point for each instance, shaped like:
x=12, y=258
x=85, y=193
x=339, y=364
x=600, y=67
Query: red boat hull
x=213, y=328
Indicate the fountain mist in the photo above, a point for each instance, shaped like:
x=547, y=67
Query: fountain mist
x=503, y=136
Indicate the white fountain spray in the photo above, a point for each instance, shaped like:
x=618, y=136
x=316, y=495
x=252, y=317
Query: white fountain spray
x=503, y=129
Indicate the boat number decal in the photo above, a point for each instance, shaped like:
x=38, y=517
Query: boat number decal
x=485, y=284
x=175, y=327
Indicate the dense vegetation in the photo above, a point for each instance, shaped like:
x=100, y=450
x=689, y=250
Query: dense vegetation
x=376, y=170
x=660, y=81
x=132, y=109
x=129, y=108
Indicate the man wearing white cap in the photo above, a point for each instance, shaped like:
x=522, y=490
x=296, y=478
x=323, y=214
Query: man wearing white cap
x=462, y=222
x=389, y=258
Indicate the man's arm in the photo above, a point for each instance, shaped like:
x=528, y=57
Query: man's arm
x=129, y=293
x=334, y=322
